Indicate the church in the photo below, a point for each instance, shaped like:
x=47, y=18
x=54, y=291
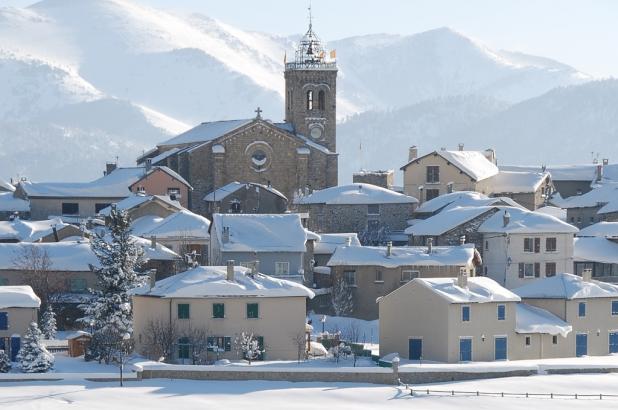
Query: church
x=294, y=156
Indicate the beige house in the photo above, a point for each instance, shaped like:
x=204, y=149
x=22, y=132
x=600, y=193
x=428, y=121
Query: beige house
x=443, y=172
x=18, y=308
x=140, y=205
x=162, y=181
x=223, y=302
x=372, y=272
x=472, y=319
x=589, y=306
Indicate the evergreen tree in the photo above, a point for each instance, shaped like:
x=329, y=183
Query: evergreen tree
x=48, y=323
x=33, y=357
x=341, y=297
x=5, y=362
x=109, y=315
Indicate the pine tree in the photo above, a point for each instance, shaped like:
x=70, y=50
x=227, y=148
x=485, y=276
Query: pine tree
x=5, y=362
x=48, y=323
x=341, y=297
x=33, y=357
x=109, y=315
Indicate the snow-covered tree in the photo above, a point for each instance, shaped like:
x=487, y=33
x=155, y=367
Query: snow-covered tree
x=249, y=346
x=341, y=297
x=48, y=323
x=5, y=362
x=109, y=315
x=33, y=357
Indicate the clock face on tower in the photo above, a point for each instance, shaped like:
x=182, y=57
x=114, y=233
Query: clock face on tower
x=316, y=132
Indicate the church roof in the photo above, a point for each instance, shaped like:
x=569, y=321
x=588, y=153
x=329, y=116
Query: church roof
x=206, y=131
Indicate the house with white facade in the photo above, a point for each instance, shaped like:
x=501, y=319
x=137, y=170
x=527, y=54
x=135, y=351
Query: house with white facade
x=223, y=302
x=18, y=308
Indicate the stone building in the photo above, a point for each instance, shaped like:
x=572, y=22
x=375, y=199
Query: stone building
x=294, y=156
x=385, y=179
x=371, y=211
x=599, y=204
x=247, y=198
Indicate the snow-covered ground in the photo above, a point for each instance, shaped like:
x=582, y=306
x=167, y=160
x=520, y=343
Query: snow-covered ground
x=186, y=394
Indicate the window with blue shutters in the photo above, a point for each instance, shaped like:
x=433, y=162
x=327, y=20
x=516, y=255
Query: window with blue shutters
x=501, y=312
x=581, y=344
x=581, y=309
x=500, y=348
x=613, y=342
x=465, y=313
x=465, y=350
x=4, y=320
x=614, y=307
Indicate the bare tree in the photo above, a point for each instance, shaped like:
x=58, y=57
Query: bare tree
x=300, y=341
x=198, y=344
x=341, y=297
x=353, y=332
x=161, y=337
x=35, y=264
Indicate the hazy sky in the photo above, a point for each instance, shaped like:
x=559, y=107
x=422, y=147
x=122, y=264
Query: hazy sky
x=581, y=33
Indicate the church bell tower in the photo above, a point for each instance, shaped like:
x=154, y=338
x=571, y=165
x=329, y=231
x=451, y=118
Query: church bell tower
x=311, y=90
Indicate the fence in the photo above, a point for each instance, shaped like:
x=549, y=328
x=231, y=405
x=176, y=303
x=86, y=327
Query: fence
x=478, y=393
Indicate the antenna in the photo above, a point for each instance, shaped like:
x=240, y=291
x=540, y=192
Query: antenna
x=310, y=16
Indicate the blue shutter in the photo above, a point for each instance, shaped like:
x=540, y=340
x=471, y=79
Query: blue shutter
x=465, y=350
x=15, y=346
x=415, y=349
x=4, y=320
x=613, y=342
x=581, y=344
x=500, y=348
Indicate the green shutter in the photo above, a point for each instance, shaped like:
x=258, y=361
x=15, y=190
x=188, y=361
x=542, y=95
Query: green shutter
x=183, y=311
x=252, y=311
x=228, y=343
x=218, y=310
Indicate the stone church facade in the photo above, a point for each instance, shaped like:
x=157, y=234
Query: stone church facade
x=296, y=155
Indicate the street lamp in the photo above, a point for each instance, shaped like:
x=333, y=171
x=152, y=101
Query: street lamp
x=123, y=345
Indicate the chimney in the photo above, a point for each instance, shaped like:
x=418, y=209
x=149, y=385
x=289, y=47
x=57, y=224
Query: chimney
x=152, y=276
x=490, y=154
x=462, y=240
x=462, y=278
x=148, y=164
x=412, y=153
x=599, y=173
x=55, y=231
x=506, y=218
x=109, y=167
x=348, y=241
x=230, y=270
x=153, y=242
x=389, y=248
x=605, y=161
x=460, y=146
x=429, y=245
x=226, y=234
x=587, y=275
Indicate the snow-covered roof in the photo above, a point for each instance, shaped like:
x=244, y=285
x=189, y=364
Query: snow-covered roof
x=532, y=319
x=524, y=221
x=140, y=226
x=136, y=200
x=113, y=185
x=330, y=241
x=168, y=171
x=480, y=289
x=5, y=186
x=261, y=232
x=558, y=172
x=595, y=249
x=598, y=196
x=182, y=224
x=462, y=199
x=601, y=229
x=9, y=203
x=517, y=182
x=447, y=220
x=356, y=194
x=211, y=282
x=206, y=131
x=610, y=207
x=18, y=297
x=553, y=211
x=28, y=231
x=64, y=256
x=403, y=256
x=164, y=155
x=566, y=286
x=224, y=191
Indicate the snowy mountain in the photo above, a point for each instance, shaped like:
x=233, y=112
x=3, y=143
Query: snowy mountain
x=107, y=78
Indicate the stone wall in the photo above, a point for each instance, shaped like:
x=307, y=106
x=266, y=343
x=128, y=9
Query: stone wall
x=385, y=179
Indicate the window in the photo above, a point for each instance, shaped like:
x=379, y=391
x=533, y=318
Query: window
x=218, y=310
x=309, y=100
x=581, y=344
x=223, y=343
x=431, y=194
x=550, y=245
x=465, y=350
x=78, y=285
x=433, y=174
x=253, y=311
x=173, y=193
x=528, y=341
x=581, y=309
x=614, y=307
x=500, y=348
x=4, y=320
x=613, y=342
x=554, y=340
x=321, y=100
x=486, y=245
x=501, y=312
x=408, y=275
x=70, y=208
x=550, y=269
x=379, y=278
x=349, y=277
x=184, y=348
x=465, y=313
x=140, y=189
x=282, y=268
x=99, y=207
x=373, y=209
x=528, y=245
x=527, y=270
x=183, y=311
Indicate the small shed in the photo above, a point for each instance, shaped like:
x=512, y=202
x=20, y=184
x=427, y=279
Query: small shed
x=78, y=342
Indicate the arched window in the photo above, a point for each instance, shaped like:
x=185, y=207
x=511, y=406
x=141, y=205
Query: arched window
x=321, y=100
x=310, y=100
